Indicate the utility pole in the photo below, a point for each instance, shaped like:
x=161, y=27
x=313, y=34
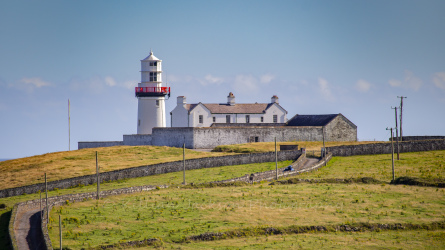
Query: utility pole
x=60, y=232
x=47, y=210
x=98, y=181
x=183, y=163
x=397, y=134
x=401, y=111
x=69, y=127
x=392, y=154
x=276, y=160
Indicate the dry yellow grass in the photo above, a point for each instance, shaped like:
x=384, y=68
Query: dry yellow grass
x=67, y=164
x=270, y=146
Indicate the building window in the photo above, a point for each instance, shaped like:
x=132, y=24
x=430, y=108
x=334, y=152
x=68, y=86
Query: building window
x=214, y=119
x=201, y=119
x=153, y=77
x=247, y=118
x=153, y=63
x=262, y=119
x=275, y=118
x=157, y=103
x=139, y=122
x=227, y=118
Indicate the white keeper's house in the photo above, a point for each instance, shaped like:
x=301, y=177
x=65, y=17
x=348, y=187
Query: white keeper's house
x=211, y=114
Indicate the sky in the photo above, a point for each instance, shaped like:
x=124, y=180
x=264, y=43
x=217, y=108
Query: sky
x=319, y=57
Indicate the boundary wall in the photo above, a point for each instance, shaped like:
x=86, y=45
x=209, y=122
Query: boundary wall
x=210, y=137
x=161, y=168
x=385, y=148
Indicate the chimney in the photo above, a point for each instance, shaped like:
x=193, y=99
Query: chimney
x=231, y=99
x=274, y=99
x=181, y=100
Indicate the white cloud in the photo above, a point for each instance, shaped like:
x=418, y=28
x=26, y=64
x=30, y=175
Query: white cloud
x=110, y=81
x=35, y=82
x=439, y=80
x=325, y=89
x=411, y=81
x=209, y=79
x=267, y=78
x=245, y=83
x=29, y=84
x=395, y=83
x=363, y=86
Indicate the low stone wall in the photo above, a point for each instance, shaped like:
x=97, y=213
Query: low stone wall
x=98, y=144
x=421, y=138
x=385, y=148
x=162, y=168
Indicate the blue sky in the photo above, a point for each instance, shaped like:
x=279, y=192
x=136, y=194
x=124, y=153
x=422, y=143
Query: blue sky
x=319, y=57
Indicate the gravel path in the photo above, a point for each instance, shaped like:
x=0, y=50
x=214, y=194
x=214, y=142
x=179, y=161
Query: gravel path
x=27, y=230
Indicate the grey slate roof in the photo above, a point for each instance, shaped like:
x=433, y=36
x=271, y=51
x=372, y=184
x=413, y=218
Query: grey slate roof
x=241, y=108
x=311, y=120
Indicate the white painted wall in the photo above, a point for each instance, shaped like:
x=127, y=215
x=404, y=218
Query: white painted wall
x=150, y=115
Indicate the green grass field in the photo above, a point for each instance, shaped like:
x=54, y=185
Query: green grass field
x=176, y=213
x=173, y=213
x=428, y=165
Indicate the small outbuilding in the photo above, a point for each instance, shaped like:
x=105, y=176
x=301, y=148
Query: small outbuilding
x=336, y=127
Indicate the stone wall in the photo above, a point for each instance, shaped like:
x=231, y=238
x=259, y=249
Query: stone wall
x=98, y=144
x=136, y=140
x=420, y=138
x=385, y=148
x=340, y=129
x=174, y=137
x=162, y=168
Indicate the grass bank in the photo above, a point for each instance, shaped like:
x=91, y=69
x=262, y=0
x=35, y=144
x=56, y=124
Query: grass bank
x=259, y=147
x=428, y=165
x=67, y=164
x=173, y=214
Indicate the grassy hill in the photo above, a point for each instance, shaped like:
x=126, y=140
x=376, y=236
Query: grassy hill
x=174, y=214
x=67, y=164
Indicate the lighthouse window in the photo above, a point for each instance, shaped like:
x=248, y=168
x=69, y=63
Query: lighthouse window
x=153, y=76
x=201, y=119
x=153, y=63
x=157, y=103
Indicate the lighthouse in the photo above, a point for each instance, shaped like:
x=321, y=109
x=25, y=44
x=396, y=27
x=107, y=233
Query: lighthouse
x=151, y=96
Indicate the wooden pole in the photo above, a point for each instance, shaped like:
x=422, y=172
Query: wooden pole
x=397, y=135
x=183, y=163
x=98, y=181
x=401, y=112
x=47, y=210
x=41, y=214
x=60, y=232
x=392, y=155
x=276, y=160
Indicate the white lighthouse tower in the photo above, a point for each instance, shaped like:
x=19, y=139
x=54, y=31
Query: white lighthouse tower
x=151, y=96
